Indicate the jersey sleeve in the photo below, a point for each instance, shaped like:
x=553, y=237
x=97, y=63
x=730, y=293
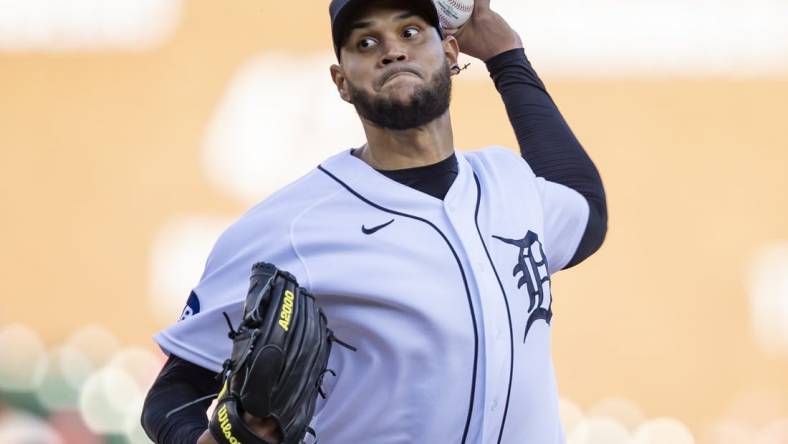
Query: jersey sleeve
x=200, y=336
x=566, y=214
x=564, y=211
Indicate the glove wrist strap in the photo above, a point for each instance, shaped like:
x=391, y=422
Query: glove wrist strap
x=228, y=427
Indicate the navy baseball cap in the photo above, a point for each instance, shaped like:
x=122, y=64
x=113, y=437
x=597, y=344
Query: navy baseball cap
x=342, y=11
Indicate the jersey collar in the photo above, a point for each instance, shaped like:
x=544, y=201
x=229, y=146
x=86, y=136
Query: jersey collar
x=372, y=185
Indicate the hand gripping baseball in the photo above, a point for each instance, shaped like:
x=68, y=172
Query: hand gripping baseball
x=486, y=34
x=280, y=353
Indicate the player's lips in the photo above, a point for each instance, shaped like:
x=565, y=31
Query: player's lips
x=398, y=72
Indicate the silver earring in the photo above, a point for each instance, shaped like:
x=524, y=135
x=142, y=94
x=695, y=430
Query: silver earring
x=456, y=68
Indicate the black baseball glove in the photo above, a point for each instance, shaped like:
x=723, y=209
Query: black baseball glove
x=279, y=357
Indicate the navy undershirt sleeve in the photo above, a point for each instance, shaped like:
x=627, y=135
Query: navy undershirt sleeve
x=179, y=383
x=547, y=143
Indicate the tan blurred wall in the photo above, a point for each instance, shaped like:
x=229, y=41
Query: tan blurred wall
x=98, y=150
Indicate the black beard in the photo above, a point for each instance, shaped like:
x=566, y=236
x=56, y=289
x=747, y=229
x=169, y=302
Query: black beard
x=427, y=104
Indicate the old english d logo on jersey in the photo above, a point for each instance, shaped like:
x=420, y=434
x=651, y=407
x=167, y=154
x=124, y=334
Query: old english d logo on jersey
x=532, y=263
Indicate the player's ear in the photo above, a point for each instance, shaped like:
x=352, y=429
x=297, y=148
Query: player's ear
x=452, y=49
x=338, y=76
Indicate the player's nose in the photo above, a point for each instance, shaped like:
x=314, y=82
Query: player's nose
x=390, y=58
x=393, y=53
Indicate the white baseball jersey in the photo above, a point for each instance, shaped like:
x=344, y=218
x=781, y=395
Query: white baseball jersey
x=447, y=301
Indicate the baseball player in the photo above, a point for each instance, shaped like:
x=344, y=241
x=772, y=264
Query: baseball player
x=433, y=263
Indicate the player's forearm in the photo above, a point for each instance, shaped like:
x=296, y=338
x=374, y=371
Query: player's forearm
x=547, y=143
x=178, y=383
x=182, y=429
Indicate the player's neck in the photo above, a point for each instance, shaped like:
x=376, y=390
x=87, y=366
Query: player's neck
x=394, y=150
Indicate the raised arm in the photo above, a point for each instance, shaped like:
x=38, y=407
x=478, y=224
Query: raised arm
x=546, y=141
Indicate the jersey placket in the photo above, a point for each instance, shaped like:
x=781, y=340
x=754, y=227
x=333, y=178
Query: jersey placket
x=495, y=342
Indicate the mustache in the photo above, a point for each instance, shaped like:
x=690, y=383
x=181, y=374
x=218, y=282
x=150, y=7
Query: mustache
x=396, y=70
x=427, y=102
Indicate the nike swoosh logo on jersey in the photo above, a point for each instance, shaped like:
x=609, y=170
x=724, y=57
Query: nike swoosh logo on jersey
x=366, y=230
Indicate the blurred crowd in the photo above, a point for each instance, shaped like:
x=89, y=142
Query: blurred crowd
x=89, y=389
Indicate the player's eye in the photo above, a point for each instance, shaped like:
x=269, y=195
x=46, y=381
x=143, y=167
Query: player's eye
x=367, y=42
x=410, y=32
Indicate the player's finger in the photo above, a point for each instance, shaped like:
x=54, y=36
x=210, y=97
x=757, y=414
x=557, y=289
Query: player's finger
x=450, y=31
x=456, y=32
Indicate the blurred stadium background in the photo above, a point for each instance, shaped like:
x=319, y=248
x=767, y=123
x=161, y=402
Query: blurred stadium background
x=133, y=131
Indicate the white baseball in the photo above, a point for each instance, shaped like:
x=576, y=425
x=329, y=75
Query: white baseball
x=453, y=13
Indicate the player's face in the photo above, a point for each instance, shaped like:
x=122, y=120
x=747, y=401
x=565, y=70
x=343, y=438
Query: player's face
x=395, y=67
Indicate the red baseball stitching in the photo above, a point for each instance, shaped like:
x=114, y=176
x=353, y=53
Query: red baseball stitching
x=443, y=19
x=460, y=6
